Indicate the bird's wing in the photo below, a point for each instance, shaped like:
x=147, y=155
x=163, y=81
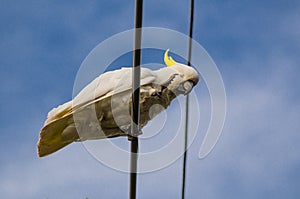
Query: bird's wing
x=106, y=85
x=60, y=119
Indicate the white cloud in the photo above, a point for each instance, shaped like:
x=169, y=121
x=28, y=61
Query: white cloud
x=257, y=155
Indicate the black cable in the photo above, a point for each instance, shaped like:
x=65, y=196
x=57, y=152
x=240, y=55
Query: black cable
x=187, y=100
x=135, y=111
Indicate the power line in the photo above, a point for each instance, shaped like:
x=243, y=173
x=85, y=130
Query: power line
x=187, y=100
x=135, y=124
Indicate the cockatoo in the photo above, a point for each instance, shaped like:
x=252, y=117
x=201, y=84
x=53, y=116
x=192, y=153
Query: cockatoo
x=108, y=99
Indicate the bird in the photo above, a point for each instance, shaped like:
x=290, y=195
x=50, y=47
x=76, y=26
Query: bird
x=102, y=109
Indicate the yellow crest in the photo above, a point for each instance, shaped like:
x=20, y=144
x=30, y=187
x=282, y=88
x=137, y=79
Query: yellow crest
x=169, y=61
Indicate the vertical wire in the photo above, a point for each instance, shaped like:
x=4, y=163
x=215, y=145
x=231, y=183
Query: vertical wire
x=187, y=101
x=135, y=110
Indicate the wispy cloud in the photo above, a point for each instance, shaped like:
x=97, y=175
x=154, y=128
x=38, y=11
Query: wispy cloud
x=255, y=45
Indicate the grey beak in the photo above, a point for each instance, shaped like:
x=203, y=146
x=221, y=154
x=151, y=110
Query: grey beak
x=188, y=85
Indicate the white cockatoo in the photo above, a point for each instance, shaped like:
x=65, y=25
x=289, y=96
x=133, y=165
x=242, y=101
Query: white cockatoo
x=102, y=109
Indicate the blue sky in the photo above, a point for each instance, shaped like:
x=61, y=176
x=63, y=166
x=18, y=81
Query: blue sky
x=256, y=47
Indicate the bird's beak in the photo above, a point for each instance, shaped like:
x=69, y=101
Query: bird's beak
x=188, y=86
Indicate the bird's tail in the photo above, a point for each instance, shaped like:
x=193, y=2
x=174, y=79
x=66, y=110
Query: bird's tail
x=56, y=136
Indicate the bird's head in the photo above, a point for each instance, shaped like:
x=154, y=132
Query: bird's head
x=184, y=77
